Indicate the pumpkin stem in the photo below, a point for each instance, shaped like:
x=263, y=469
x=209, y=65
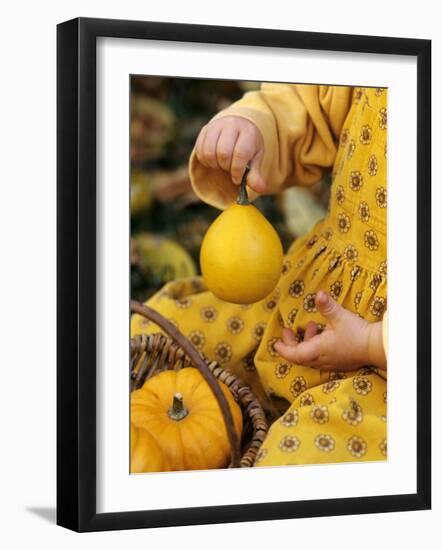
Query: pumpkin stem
x=243, y=198
x=177, y=411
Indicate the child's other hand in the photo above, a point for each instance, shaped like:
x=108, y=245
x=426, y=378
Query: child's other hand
x=229, y=144
x=348, y=342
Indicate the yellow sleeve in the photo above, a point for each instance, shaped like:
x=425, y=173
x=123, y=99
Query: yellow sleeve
x=300, y=125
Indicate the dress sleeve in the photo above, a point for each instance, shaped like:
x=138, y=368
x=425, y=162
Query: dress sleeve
x=300, y=126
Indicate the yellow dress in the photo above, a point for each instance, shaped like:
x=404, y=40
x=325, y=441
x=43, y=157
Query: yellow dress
x=320, y=417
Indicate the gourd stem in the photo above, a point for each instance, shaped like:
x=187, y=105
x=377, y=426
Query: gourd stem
x=243, y=198
x=177, y=411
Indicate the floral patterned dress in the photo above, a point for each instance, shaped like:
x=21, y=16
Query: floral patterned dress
x=320, y=417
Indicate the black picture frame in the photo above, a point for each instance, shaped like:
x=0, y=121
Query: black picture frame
x=76, y=273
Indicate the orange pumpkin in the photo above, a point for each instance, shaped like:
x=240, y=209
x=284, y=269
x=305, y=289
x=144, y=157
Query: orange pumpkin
x=145, y=455
x=180, y=412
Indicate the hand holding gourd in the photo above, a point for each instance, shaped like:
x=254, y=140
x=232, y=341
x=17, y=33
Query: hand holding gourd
x=230, y=144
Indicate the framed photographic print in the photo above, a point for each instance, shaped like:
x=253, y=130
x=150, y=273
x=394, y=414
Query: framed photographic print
x=228, y=202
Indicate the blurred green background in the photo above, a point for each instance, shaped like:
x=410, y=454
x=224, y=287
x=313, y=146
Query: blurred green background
x=168, y=221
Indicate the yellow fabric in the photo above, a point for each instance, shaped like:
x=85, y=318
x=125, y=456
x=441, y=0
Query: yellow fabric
x=334, y=416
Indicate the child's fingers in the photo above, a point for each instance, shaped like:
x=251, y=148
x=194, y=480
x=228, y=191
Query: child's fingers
x=288, y=337
x=285, y=350
x=330, y=309
x=254, y=178
x=311, y=329
x=225, y=146
x=242, y=154
x=305, y=353
x=199, y=143
x=208, y=156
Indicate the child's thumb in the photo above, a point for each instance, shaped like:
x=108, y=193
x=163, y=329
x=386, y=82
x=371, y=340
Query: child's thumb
x=254, y=179
x=327, y=307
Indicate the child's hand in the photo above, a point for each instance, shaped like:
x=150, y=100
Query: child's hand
x=229, y=144
x=348, y=342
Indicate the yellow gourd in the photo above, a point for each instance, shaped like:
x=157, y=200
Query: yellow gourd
x=161, y=258
x=241, y=254
x=180, y=412
x=145, y=454
x=141, y=196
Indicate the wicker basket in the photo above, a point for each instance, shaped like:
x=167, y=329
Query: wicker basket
x=153, y=353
